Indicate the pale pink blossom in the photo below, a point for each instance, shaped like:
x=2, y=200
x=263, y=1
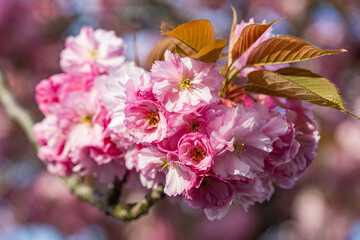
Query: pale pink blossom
x=282, y=135
x=146, y=121
x=52, y=141
x=196, y=152
x=153, y=165
x=185, y=84
x=209, y=192
x=92, y=51
x=140, y=88
x=114, y=99
x=105, y=171
x=239, y=144
x=251, y=191
x=306, y=138
x=178, y=178
x=216, y=213
x=156, y=167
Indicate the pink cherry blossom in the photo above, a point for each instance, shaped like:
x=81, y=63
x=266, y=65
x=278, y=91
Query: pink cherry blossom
x=249, y=191
x=209, y=192
x=152, y=165
x=50, y=92
x=196, y=152
x=52, y=141
x=185, y=84
x=306, y=138
x=239, y=145
x=114, y=98
x=178, y=178
x=146, y=121
x=92, y=51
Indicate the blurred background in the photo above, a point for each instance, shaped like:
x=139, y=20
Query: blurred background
x=324, y=204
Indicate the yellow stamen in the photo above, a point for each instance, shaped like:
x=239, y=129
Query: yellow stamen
x=164, y=164
x=87, y=119
x=153, y=118
x=93, y=54
x=239, y=146
x=185, y=83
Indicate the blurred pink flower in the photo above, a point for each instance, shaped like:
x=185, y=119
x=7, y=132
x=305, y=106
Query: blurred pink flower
x=92, y=51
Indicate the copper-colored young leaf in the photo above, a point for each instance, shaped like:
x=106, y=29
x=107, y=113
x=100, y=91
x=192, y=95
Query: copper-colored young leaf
x=195, y=34
x=157, y=53
x=248, y=37
x=183, y=48
x=196, y=39
x=296, y=83
x=285, y=49
x=211, y=52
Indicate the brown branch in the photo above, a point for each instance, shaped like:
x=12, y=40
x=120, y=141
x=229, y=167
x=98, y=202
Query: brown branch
x=123, y=211
x=108, y=203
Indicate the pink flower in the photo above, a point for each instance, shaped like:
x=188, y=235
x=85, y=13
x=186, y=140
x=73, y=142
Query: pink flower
x=302, y=140
x=146, y=121
x=152, y=165
x=178, y=178
x=140, y=89
x=92, y=51
x=196, y=152
x=105, y=171
x=249, y=191
x=185, y=84
x=155, y=164
x=52, y=141
x=114, y=98
x=50, y=92
x=209, y=192
x=239, y=144
x=285, y=147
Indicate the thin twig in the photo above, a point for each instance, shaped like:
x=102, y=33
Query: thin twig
x=16, y=112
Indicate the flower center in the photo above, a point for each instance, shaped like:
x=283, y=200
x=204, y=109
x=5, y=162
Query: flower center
x=197, y=154
x=93, y=54
x=193, y=125
x=153, y=118
x=87, y=119
x=164, y=164
x=239, y=146
x=206, y=182
x=185, y=83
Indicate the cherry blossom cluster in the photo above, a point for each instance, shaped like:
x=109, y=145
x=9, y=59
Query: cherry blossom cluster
x=105, y=116
x=74, y=135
